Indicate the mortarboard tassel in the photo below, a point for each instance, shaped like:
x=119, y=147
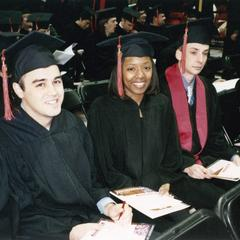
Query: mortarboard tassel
x=10, y=25
x=102, y=4
x=184, y=49
x=158, y=20
x=93, y=23
x=8, y=115
x=94, y=5
x=200, y=4
x=133, y=23
x=119, y=69
x=36, y=24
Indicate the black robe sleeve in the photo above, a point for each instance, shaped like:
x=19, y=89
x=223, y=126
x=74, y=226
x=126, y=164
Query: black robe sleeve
x=100, y=130
x=3, y=183
x=133, y=151
x=216, y=145
x=97, y=191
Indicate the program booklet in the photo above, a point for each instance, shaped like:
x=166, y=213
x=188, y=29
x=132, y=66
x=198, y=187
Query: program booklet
x=225, y=170
x=149, y=202
x=111, y=230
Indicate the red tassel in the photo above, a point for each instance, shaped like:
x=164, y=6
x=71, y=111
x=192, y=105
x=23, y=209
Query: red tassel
x=94, y=5
x=36, y=24
x=10, y=24
x=102, y=4
x=93, y=24
x=157, y=15
x=119, y=69
x=8, y=115
x=184, y=49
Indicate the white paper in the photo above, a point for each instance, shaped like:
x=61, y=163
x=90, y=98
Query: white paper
x=225, y=85
x=216, y=53
x=63, y=57
x=224, y=169
x=153, y=204
x=111, y=230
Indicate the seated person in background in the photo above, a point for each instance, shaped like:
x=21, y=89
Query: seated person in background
x=76, y=26
x=48, y=151
x=26, y=25
x=156, y=15
x=128, y=19
x=196, y=106
x=37, y=21
x=141, y=7
x=99, y=62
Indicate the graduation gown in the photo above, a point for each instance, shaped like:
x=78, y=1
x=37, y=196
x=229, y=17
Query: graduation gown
x=51, y=175
x=216, y=145
x=120, y=31
x=4, y=183
x=99, y=61
x=130, y=150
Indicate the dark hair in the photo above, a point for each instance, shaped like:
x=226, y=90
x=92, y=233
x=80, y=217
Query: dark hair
x=21, y=84
x=101, y=27
x=153, y=88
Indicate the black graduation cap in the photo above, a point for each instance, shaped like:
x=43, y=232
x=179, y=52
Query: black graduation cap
x=8, y=38
x=155, y=10
x=130, y=14
x=132, y=45
x=10, y=17
x=86, y=13
x=142, y=5
x=25, y=55
x=31, y=52
x=106, y=13
x=199, y=31
x=135, y=44
x=39, y=17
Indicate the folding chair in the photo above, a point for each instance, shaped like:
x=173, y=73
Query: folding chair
x=89, y=91
x=72, y=100
x=230, y=105
x=201, y=225
x=228, y=210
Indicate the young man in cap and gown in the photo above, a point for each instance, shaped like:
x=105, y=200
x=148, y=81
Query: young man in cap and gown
x=47, y=150
x=195, y=103
x=99, y=62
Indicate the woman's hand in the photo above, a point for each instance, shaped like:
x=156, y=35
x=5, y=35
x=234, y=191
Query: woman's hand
x=164, y=189
x=121, y=213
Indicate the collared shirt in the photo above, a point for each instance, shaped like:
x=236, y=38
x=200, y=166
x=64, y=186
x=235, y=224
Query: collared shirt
x=102, y=203
x=188, y=84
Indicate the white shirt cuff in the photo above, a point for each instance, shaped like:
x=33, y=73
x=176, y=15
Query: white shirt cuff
x=101, y=204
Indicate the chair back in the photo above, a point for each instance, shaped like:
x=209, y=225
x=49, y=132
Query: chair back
x=89, y=91
x=228, y=210
x=201, y=225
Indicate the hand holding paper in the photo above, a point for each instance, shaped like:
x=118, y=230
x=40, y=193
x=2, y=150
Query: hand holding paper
x=111, y=230
x=149, y=202
x=226, y=170
x=80, y=230
x=121, y=213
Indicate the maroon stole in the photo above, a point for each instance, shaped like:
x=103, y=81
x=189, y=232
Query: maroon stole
x=180, y=105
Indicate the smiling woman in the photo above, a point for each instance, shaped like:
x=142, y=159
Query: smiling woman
x=137, y=76
x=133, y=130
